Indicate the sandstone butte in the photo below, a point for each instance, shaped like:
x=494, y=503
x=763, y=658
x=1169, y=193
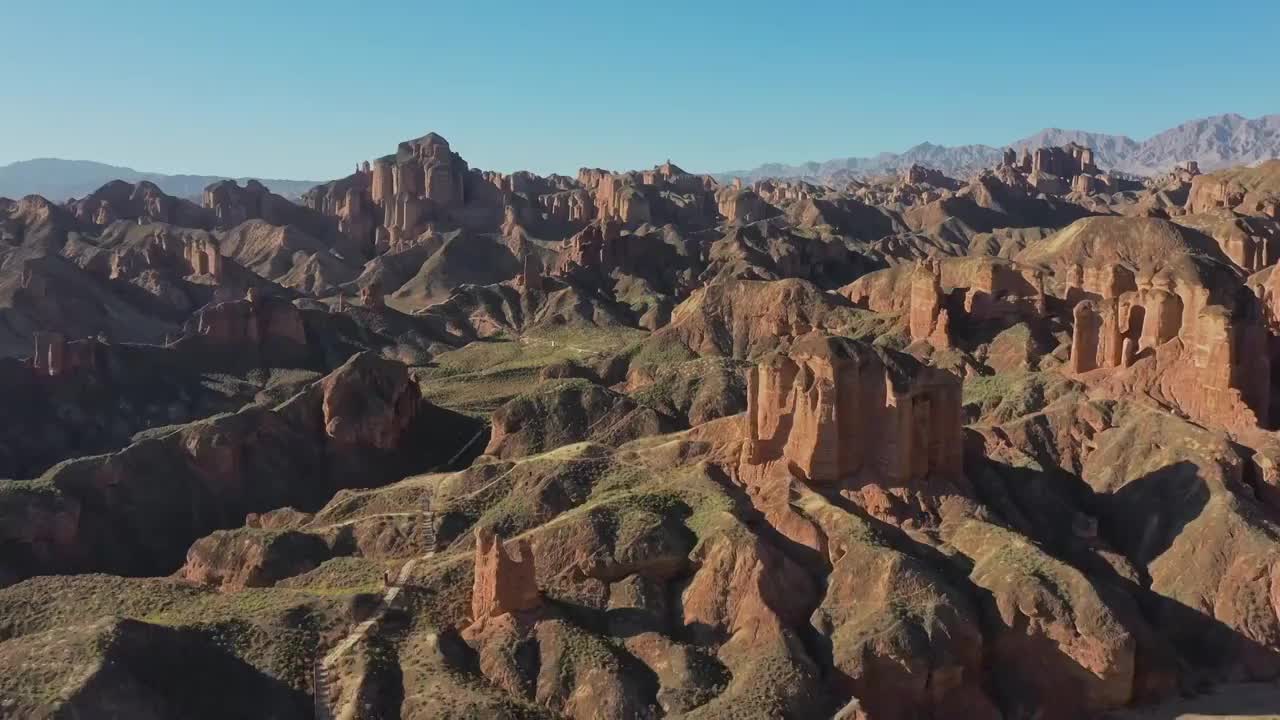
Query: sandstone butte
x=440, y=442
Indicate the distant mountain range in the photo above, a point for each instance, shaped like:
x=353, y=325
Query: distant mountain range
x=59, y=180
x=1214, y=142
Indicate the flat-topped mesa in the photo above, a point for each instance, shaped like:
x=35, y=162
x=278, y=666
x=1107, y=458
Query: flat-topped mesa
x=502, y=584
x=834, y=411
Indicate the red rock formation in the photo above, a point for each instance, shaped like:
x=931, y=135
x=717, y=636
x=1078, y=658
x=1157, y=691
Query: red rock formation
x=1084, y=338
x=231, y=205
x=204, y=259
x=369, y=403
x=1253, y=243
x=144, y=202
x=502, y=584
x=530, y=278
x=993, y=289
x=1159, y=302
x=926, y=303
x=174, y=489
x=235, y=560
x=740, y=206
x=595, y=247
x=917, y=174
x=1212, y=191
x=569, y=206
x=1064, y=162
x=250, y=322
x=619, y=199
x=1084, y=184
x=833, y=410
x=53, y=356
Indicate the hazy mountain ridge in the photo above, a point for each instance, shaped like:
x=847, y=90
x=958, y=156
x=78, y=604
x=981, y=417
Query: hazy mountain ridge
x=1214, y=142
x=59, y=179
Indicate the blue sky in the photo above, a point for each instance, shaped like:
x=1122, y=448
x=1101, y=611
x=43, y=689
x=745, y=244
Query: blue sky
x=304, y=90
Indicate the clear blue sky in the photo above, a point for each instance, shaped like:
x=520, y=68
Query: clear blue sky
x=304, y=90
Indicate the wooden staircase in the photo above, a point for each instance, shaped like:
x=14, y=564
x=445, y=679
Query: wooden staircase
x=320, y=688
x=427, y=526
x=426, y=531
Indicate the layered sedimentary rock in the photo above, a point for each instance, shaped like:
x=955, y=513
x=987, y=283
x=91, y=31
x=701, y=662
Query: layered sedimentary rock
x=503, y=584
x=249, y=323
x=734, y=511
x=946, y=300
x=834, y=411
x=1251, y=191
x=598, y=247
x=740, y=206
x=1138, y=285
x=928, y=319
x=1252, y=242
x=1058, y=171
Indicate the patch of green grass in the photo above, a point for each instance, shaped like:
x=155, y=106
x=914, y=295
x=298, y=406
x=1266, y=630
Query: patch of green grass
x=339, y=577
x=485, y=374
x=660, y=349
x=1010, y=395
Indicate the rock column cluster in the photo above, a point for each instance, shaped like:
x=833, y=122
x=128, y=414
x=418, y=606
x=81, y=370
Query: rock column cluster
x=832, y=409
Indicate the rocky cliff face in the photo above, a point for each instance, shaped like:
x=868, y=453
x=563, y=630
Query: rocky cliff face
x=354, y=428
x=831, y=411
x=899, y=447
